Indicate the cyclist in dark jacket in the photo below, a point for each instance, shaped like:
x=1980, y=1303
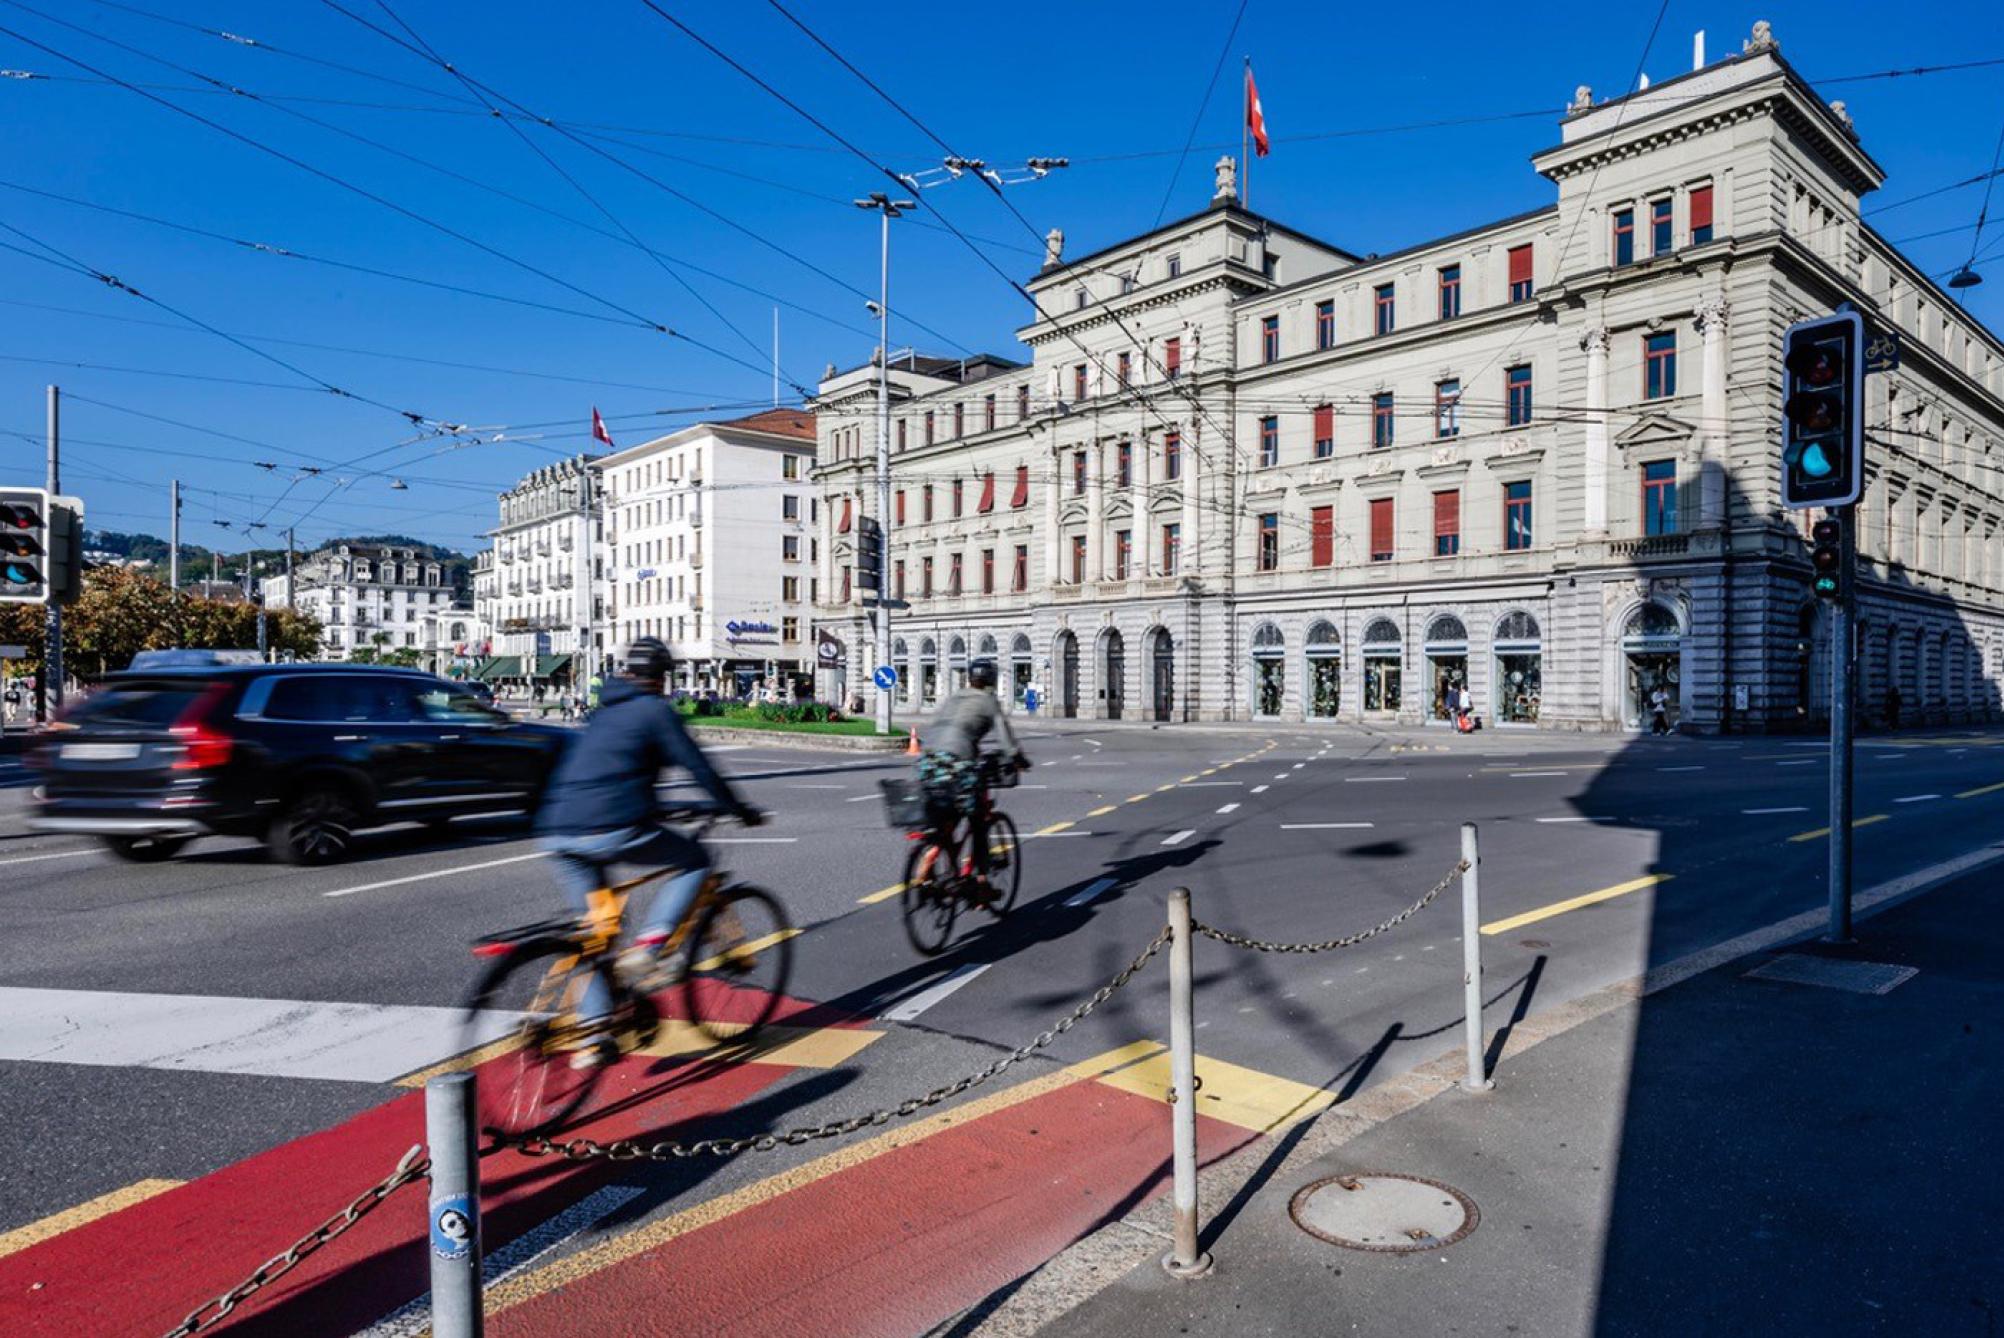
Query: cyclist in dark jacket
x=951, y=764
x=601, y=809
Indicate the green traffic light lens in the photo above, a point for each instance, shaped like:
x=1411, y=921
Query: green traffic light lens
x=19, y=573
x=1815, y=462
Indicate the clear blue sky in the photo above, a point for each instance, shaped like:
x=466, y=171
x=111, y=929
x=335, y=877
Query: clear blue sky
x=1112, y=87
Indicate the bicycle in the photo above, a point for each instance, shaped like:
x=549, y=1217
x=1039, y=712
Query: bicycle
x=939, y=880
x=735, y=942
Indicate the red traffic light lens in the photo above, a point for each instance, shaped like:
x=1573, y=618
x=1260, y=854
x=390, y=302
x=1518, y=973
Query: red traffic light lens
x=1815, y=413
x=1826, y=531
x=18, y=516
x=1817, y=364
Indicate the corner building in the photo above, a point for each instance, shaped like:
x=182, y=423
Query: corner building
x=1247, y=474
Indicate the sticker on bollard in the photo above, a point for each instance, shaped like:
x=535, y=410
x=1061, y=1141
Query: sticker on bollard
x=451, y=1226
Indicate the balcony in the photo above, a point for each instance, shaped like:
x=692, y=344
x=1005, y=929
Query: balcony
x=514, y=587
x=565, y=542
x=696, y=559
x=1650, y=546
x=543, y=547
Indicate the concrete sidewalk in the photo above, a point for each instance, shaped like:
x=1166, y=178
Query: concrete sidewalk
x=1733, y=1154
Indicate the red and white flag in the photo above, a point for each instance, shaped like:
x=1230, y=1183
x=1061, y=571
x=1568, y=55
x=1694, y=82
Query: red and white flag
x=598, y=431
x=1255, y=114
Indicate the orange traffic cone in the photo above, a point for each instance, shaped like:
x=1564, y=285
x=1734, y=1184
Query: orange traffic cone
x=911, y=745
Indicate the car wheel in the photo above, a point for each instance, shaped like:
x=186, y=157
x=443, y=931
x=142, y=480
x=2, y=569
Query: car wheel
x=144, y=849
x=318, y=827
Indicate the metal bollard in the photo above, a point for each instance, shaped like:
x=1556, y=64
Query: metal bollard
x=1477, y=1077
x=1184, y=1259
x=456, y=1309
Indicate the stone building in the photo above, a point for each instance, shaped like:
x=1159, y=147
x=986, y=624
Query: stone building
x=1243, y=473
x=366, y=596
x=542, y=592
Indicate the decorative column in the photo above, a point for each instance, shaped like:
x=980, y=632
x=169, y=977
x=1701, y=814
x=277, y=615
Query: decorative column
x=1193, y=456
x=1594, y=342
x=1712, y=315
x=1053, y=527
x=1141, y=559
x=829, y=588
x=1095, y=512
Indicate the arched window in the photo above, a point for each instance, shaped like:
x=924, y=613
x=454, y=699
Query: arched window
x=1517, y=625
x=1267, y=640
x=1324, y=649
x=928, y=651
x=1382, y=632
x=1651, y=620
x=899, y=651
x=985, y=648
x=1020, y=645
x=1322, y=638
x=1269, y=670
x=956, y=651
x=1517, y=685
x=1446, y=629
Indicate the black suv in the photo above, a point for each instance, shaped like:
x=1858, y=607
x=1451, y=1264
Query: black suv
x=299, y=755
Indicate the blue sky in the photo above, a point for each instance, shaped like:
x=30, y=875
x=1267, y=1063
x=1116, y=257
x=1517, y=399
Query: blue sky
x=1112, y=87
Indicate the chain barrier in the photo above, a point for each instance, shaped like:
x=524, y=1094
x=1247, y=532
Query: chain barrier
x=1225, y=936
x=626, y=1149
x=412, y=1167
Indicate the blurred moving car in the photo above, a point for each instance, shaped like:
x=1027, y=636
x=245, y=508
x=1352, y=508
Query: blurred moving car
x=301, y=756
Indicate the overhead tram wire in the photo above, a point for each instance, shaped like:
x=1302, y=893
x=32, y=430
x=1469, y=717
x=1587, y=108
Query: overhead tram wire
x=344, y=184
x=431, y=52
x=1203, y=105
x=646, y=176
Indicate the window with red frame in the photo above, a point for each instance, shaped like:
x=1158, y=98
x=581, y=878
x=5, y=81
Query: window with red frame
x=953, y=574
x=1517, y=396
x=1124, y=367
x=1624, y=236
x=1123, y=464
x=1123, y=545
x=898, y=506
x=1381, y=419
x=901, y=434
x=1384, y=309
x=987, y=571
x=1517, y=515
x=959, y=420
x=1172, y=454
x=845, y=585
x=1659, y=365
x=1172, y=548
x=1078, y=473
x=988, y=413
x=1447, y=523
x=1325, y=323
x=1381, y=529
x=898, y=578
x=928, y=427
x=1022, y=403
x=958, y=496
x=1659, y=227
x=1521, y=283
x=1269, y=541
x=1325, y=431
x=1079, y=382
x=1701, y=215
x=1447, y=408
x=925, y=504
x=1021, y=496
x=1172, y=356
x=1269, y=442
x=1019, y=576
x=1078, y=559
x=987, y=502
x=1322, y=536
x=1269, y=338
x=1450, y=292
x=925, y=577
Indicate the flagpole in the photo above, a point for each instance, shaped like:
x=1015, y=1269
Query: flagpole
x=1245, y=130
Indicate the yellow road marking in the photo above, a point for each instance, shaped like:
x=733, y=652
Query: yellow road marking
x=472, y=1059
x=1574, y=903
x=1192, y=776
x=794, y=1047
x=1102, y=810
x=881, y=894
x=104, y=1205
x=1825, y=831
x=1210, y=771
x=1136, y=798
x=1981, y=789
x=1170, y=786
x=1245, y=1097
x=751, y=949
x=653, y=1235
x=1055, y=827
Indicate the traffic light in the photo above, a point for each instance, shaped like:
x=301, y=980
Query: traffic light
x=24, y=546
x=41, y=547
x=1822, y=411
x=869, y=554
x=1826, y=558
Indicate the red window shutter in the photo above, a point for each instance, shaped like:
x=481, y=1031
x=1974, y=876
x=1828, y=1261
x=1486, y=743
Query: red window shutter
x=901, y=506
x=1021, y=497
x=1701, y=206
x=1446, y=514
x=1172, y=355
x=1322, y=536
x=843, y=528
x=1520, y=263
x=987, y=502
x=1381, y=525
x=1325, y=422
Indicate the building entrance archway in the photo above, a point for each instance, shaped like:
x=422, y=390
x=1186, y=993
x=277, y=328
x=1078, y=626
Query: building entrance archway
x=1162, y=656
x=1113, y=667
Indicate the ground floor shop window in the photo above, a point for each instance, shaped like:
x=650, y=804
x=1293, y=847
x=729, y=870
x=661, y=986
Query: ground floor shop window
x=1269, y=670
x=1447, y=666
x=1382, y=674
x=1518, y=683
x=1651, y=645
x=1325, y=671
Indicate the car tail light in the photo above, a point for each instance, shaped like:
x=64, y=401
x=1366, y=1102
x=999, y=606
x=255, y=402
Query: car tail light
x=204, y=747
x=492, y=949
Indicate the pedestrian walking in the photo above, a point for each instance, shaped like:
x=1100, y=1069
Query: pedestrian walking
x=1659, y=710
x=1033, y=697
x=1892, y=706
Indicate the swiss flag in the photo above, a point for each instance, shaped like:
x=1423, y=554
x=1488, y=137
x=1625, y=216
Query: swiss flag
x=598, y=431
x=1255, y=115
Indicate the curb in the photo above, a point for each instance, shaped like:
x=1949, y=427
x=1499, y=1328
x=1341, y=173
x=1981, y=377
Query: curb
x=779, y=738
x=1095, y=1262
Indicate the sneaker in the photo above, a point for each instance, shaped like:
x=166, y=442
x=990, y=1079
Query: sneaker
x=598, y=1055
x=646, y=969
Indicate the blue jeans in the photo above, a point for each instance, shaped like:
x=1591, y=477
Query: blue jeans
x=583, y=864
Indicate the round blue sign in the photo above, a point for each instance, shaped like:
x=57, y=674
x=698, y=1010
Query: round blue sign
x=886, y=677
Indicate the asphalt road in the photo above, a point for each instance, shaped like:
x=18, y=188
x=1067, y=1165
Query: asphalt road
x=1289, y=833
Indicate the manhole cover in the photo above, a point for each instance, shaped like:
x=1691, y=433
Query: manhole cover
x=1390, y=1214
x=1835, y=973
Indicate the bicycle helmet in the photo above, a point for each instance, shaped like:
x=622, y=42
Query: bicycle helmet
x=981, y=674
x=646, y=657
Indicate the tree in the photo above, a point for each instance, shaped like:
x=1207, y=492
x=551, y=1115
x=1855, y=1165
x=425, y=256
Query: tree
x=122, y=612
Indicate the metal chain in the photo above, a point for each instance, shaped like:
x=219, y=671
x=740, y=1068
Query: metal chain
x=1241, y=941
x=585, y=1149
x=413, y=1166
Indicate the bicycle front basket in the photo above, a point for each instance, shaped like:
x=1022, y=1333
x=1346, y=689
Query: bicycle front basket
x=905, y=803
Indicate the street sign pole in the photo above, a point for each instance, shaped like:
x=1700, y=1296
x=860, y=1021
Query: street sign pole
x=1843, y=704
x=52, y=649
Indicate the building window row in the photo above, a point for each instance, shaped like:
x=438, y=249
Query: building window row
x=1659, y=218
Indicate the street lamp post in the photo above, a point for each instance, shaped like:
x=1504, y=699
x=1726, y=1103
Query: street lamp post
x=886, y=209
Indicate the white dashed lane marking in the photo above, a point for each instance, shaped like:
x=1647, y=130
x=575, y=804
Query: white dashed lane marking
x=1366, y=780
x=1089, y=892
x=1259, y=789
x=1759, y=812
x=1915, y=798
x=1227, y=808
x=1178, y=838
x=1323, y=826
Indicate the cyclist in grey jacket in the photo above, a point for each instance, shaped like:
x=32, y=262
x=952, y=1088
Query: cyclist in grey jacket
x=951, y=762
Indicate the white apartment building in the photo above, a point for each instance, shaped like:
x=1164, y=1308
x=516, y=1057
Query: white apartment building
x=542, y=591
x=366, y=597
x=455, y=639
x=1243, y=473
x=713, y=547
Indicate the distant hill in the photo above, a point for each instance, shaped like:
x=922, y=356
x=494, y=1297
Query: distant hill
x=198, y=561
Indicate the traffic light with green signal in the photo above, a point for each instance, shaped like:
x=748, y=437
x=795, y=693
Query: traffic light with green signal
x=1822, y=411
x=1826, y=558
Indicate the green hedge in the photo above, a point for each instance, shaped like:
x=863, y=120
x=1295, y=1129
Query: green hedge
x=798, y=713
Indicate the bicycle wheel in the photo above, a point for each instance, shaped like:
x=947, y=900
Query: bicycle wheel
x=522, y=1022
x=1005, y=862
x=929, y=900
x=740, y=956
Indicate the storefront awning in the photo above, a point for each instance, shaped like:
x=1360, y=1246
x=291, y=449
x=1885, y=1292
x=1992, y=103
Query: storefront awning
x=549, y=666
x=499, y=666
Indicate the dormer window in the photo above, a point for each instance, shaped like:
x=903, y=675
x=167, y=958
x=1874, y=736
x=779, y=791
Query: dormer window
x=1174, y=264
